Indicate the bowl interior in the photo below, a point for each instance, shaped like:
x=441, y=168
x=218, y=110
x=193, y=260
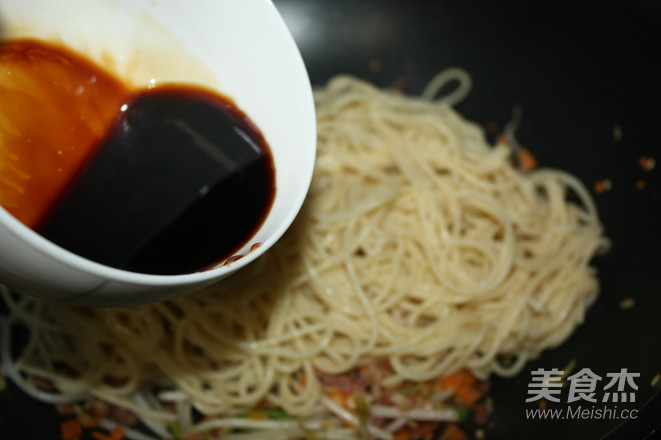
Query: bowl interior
x=241, y=49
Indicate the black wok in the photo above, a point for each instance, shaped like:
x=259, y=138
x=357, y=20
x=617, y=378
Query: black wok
x=577, y=69
x=580, y=70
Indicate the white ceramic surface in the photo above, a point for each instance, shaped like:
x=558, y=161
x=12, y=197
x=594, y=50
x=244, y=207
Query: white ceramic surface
x=241, y=48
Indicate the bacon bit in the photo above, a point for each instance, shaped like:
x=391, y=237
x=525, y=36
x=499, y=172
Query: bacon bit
x=601, y=186
x=303, y=380
x=492, y=127
x=340, y=381
x=641, y=184
x=71, y=429
x=399, y=84
x=526, y=160
x=124, y=417
x=88, y=420
x=44, y=384
x=65, y=409
x=264, y=403
x=97, y=408
x=481, y=414
x=365, y=369
x=419, y=430
x=647, y=163
x=115, y=381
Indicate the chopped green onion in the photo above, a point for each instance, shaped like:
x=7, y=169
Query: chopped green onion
x=362, y=411
x=271, y=413
x=462, y=413
x=412, y=390
x=176, y=429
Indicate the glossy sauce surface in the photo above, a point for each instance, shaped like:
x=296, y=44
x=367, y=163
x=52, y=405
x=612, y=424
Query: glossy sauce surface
x=173, y=179
x=54, y=107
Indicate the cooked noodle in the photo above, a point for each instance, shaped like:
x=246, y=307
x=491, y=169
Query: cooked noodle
x=419, y=243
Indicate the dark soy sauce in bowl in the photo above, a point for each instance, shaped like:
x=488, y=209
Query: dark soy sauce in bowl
x=179, y=182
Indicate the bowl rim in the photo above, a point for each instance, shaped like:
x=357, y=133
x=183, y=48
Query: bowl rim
x=307, y=158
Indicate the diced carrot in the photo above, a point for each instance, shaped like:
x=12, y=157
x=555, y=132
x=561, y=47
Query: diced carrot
x=117, y=433
x=100, y=436
x=71, y=429
x=599, y=187
x=647, y=163
x=335, y=393
x=527, y=160
x=340, y=396
x=468, y=395
x=457, y=434
x=458, y=379
x=253, y=415
x=465, y=385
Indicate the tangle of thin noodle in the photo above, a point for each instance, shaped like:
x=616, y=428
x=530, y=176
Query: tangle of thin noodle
x=419, y=243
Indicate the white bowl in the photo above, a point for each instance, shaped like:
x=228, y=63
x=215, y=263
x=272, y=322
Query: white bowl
x=241, y=48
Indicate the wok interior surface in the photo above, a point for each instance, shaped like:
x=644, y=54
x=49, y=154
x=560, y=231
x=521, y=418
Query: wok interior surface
x=578, y=69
